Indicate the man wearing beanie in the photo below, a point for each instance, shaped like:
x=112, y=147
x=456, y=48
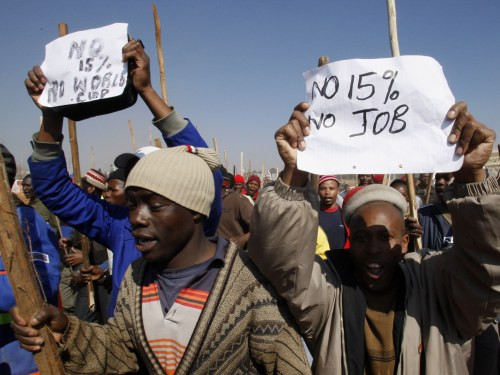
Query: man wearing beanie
x=239, y=184
x=330, y=215
x=190, y=304
x=253, y=186
x=105, y=223
x=372, y=309
x=115, y=190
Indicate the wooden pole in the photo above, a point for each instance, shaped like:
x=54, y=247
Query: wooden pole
x=226, y=165
x=21, y=274
x=323, y=60
x=393, y=38
x=150, y=135
x=131, y=128
x=216, y=148
x=241, y=163
x=429, y=189
x=75, y=158
x=92, y=157
x=159, y=50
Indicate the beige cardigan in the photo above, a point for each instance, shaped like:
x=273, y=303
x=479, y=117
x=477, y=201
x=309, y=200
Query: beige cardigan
x=450, y=296
x=244, y=328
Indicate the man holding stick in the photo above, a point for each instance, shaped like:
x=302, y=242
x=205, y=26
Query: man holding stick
x=190, y=304
x=105, y=223
x=373, y=309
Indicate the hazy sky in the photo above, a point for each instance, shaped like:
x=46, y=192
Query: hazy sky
x=235, y=67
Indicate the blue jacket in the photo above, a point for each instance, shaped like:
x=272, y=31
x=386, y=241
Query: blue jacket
x=13, y=359
x=103, y=222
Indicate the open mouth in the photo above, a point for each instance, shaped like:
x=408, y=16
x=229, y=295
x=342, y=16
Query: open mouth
x=374, y=269
x=144, y=244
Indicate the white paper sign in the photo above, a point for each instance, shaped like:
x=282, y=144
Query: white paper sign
x=379, y=116
x=85, y=66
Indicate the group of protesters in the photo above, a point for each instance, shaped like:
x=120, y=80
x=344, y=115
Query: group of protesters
x=195, y=270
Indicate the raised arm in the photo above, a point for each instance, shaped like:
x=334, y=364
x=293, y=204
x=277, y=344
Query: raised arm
x=92, y=217
x=176, y=131
x=468, y=287
x=283, y=240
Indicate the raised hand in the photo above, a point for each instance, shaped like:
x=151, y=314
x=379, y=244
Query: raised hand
x=474, y=140
x=290, y=138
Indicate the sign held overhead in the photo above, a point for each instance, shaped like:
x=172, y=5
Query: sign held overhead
x=378, y=116
x=85, y=66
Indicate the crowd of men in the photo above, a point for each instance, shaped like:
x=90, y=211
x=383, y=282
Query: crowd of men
x=194, y=270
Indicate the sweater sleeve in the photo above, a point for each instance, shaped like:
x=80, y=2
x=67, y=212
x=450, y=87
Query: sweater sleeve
x=282, y=244
x=112, y=348
x=468, y=282
x=177, y=131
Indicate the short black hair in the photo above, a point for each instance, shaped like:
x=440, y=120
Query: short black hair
x=399, y=181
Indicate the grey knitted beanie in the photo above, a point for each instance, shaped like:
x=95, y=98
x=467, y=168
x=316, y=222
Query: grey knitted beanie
x=373, y=193
x=182, y=174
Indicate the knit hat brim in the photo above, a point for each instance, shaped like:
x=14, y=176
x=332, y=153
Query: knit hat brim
x=373, y=193
x=181, y=174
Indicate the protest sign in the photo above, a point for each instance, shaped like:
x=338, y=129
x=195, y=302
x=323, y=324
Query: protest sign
x=378, y=116
x=85, y=66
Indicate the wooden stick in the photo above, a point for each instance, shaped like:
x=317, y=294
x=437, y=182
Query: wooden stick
x=75, y=158
x=429, y=189
x=22, y=276
x=92, y=157
x=323, y=60
x=241, y=163
x=216, y=148
x=131, y=128
x=158, y=143
x=159, y=50
x=150, y=135
x=393, y=27
x=393, y=38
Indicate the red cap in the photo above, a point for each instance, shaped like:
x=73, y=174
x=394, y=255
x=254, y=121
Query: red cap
x=239, y=179
x=378, y=178
x=328, y=178
x=254, y=178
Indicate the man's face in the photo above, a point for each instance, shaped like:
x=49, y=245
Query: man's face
x=252, y=187
x=238, y=186
x=161, y=227
x=442, y=181
x=27, y=186
x=115, y=193
x=378, y=242
x=403, y=190
x=424, y=178
x=365, y=179
x=328, y=191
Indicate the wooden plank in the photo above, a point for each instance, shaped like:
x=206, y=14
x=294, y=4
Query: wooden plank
x=159, y=50
x=393, y=39
x=22, y=278
x=77, y=178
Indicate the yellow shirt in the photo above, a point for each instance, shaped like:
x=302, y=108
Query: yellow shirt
x=322, y=245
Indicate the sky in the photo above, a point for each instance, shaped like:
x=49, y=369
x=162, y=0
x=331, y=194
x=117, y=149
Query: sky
x=234, y=67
